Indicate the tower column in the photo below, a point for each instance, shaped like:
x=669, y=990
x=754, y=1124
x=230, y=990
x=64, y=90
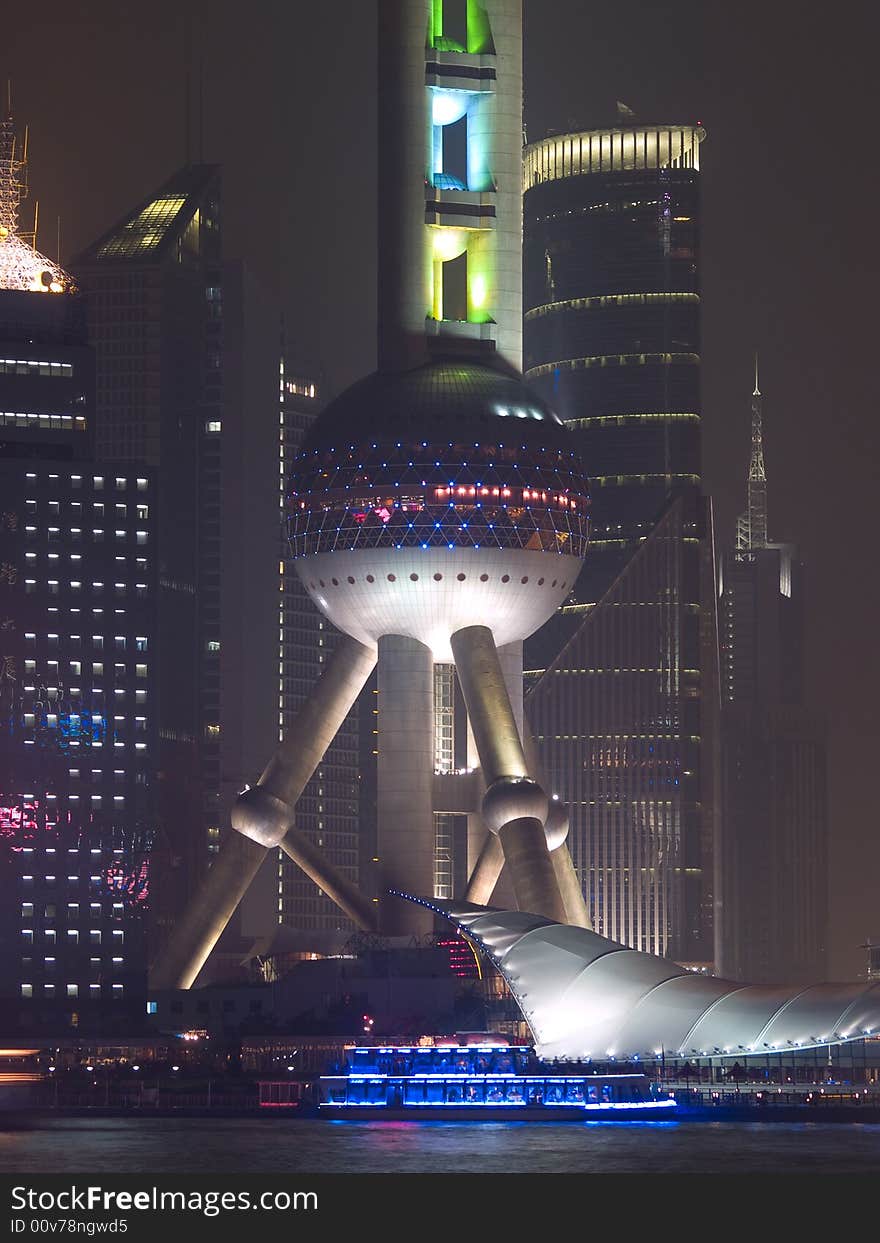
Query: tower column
x=405, y=272
x=514, y=807
x=405, y=812
x=485, y=862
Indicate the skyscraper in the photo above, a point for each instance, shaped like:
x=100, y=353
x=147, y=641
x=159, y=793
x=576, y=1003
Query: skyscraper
x=186, y=352
x=611, y=307
x=774, y=851
x=624, y=678
x=77, y=643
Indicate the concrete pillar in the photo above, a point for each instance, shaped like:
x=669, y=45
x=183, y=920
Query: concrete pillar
x=569, y=886
x=483, y=876
x=197, y=932
x=566, y=876
x=514, y=807
x=405, y=813
x=485, y=862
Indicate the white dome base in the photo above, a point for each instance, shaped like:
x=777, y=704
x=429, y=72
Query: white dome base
x=429, y=593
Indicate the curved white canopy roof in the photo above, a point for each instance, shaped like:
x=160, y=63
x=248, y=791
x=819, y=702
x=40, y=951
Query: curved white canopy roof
x=587, y=997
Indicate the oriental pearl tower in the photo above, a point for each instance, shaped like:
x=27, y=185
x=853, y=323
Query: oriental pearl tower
x=437, y=512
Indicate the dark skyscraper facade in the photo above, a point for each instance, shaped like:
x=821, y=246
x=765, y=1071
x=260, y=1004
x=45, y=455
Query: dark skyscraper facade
x=774, y=852
x=186, y=358
x=624, y=677
x=154, y=294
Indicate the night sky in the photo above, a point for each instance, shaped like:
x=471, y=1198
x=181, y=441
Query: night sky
x=790, y=194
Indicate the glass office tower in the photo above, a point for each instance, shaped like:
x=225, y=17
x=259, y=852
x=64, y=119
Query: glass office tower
x=623, y=690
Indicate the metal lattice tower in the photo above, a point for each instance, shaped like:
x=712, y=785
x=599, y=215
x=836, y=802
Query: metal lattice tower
x=22, y=266
x=13, y=185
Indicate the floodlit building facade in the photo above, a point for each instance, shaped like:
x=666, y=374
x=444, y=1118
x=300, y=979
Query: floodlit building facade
x=624, y=691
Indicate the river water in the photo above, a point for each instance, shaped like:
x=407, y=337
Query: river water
x=277, y=1146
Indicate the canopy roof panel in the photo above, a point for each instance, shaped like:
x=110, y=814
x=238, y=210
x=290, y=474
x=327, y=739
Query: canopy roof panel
x=585, y=996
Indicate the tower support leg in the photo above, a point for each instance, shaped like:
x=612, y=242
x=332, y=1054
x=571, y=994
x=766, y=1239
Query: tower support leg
x=557, y=840
x=566, y=877
x=263, y=818
x=514, y=807
x=485, y=872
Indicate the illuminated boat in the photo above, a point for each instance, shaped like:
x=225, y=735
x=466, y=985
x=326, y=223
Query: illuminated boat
x=484, y=1079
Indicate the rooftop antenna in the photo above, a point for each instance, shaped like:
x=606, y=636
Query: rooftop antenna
x=201, y=148
x=187, y=91
x=751, y=527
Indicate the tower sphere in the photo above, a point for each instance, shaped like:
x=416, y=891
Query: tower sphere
x=429, y=500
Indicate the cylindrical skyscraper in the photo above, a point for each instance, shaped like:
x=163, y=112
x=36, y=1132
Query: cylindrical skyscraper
x=612, y=340
x=612, y=318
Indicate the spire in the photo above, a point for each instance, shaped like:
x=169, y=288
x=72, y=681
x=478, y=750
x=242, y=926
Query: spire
x=751, y=527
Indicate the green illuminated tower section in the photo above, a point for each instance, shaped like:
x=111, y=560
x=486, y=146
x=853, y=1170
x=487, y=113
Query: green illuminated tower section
x=450, y=226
